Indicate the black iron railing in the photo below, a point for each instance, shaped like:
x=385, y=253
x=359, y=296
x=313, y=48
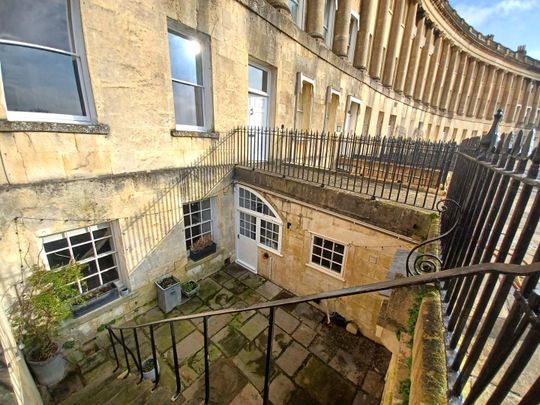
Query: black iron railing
x=496, y=270
x=496, y=184
x=406, y=170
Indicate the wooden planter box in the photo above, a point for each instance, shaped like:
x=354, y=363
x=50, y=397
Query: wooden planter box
x=95, y=303
x=200, y=254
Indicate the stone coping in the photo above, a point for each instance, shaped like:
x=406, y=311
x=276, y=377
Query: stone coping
x=194, y=134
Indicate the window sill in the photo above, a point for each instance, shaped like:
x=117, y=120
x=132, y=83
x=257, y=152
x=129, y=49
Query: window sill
x=40, y=126
x=327, y=272
x=194, y=134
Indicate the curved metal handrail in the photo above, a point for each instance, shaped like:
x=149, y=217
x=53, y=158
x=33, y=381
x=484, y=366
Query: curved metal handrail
x=428, y=262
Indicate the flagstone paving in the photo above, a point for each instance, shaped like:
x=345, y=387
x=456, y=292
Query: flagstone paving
x=312, y=362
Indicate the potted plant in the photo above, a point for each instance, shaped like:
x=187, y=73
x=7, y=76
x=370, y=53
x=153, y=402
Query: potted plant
x=169, y=293
x=95, y=299
x=149, y=369
x=43, y=301
x=202, y=247
x=190, y=288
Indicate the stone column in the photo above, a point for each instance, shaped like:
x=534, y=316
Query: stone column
x=527, y=92
x=365, y=34
x=380, y=39
x=281, y=5
x=433, y=69
x=315, y=18
x=518, y=89
x=508, y=84
x=488, y=92
x=477, y=89
x=341, y=28
x=394, y=43
x=467, y=87
x=423, y=67
x=416, y=50
x=441, y=76
x=535, y=104
x=496, y=95
x=458, y=82
x=406, y=44
x=451, y=75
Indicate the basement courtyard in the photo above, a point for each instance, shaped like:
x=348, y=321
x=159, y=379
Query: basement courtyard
x=313, y=361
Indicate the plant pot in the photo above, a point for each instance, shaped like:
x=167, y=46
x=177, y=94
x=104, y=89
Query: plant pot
x=50, y=371
x=94, y=303
x=170, y=296
x=150, y=375
x=199, y=254
x=192, y=291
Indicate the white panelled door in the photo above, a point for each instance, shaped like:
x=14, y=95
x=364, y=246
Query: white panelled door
x=246, y=242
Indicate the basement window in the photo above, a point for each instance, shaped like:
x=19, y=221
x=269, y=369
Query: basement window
x=197, y=221
x=93, y=247
x=43, y=68
x=327, y=254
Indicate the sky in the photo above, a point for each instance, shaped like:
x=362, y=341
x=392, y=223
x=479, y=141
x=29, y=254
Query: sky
x=513, y=22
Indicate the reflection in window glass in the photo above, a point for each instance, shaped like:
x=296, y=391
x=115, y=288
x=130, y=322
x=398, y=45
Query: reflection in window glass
x=257, y=79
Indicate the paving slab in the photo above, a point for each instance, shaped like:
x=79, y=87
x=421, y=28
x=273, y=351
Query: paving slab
x=310, y=315
x=251, y=361
x=292, y=358
x=226, y=380
x=236, y=271
x=216, y=323
x=222, y=299
x=344, y=363
x=269, y=290
x=240, y=318
x=188, y=346
x=187, y=307
x=281, y=390
x=154, y=314
x=250, y=297
x=324, y=383
x=373, y=384
x=254, y=326
x=304, y=334
x=230, y=341
x=163, y=335
x=248, y=396
x=363, y=398
x=253, y=281
x=281, y=341
x=286, y=321
x=322, y=350
x=208, y=288
x=235, y=286
x=196, y=362
x=221, y=277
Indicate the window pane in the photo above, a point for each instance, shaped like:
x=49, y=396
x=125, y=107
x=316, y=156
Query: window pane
x=55, y=245
x=187, y=220
x=188, y=104
x=81, y=238
x=43, y=22
x=60, y=258
x=257, y=78
x=196, y=206
x=92, y=282
x=185, y=59
x=83, y=251
x=206, y=215
x=40, y=81
x=205, y=204
x=89, y=268
x=100, y=233
x=106, y=262
x=206, y=227
x=109, y=276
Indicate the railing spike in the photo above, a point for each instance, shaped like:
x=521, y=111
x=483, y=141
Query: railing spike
x=535, y=156
x=516, y=145
x=526, y=145
x=507, y=143
x=490, y=138
x=500, y=144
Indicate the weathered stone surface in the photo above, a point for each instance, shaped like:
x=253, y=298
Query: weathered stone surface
x=208, y=288
x=286, y=321
x=280, y=342
x=325, y=384
x=188, y=346
x=352, y=328
x=248, y=396
x=269, y=290
x=281, y=389
x=304, y=335
x=254, y=326
x=345, y=364
x=230, y=341
x=373, y=384
x=292, y=358
x=251, y=361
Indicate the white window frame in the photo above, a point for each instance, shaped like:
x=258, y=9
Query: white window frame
x=180, y=30
x=325, y=270
x=211, y=221
x=301, y=16
x=276, y=220
x=79, y=231
x=353, y=33
x=329, y=25
x=76, y=34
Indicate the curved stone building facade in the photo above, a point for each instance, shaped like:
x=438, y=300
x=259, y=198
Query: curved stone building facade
x=423, y=70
